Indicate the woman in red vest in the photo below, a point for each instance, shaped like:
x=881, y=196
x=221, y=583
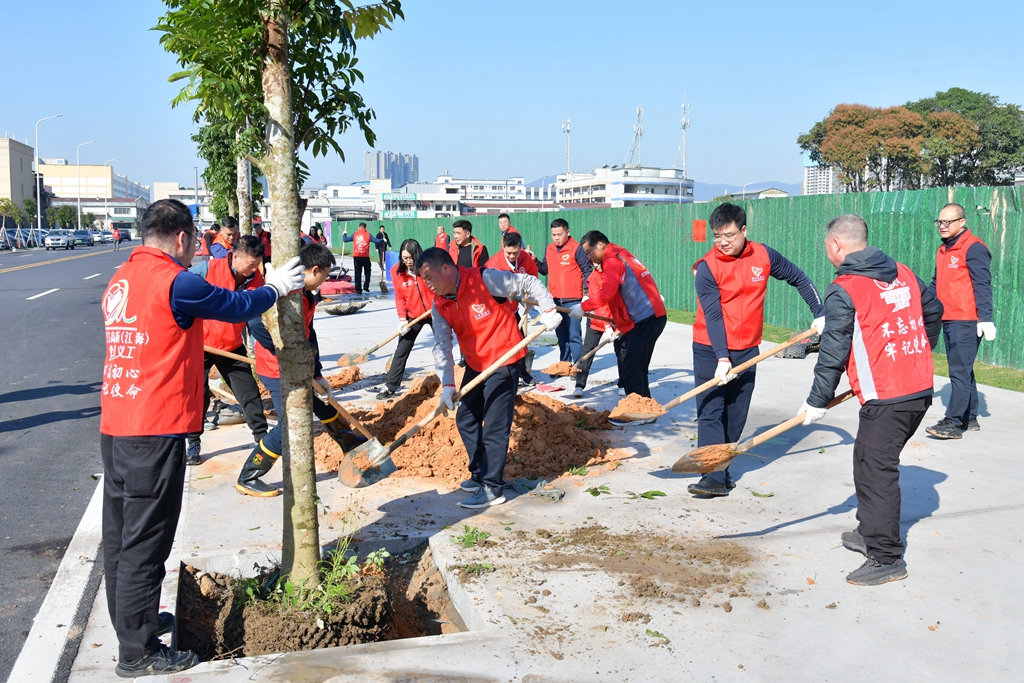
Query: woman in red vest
x=881, y=324
x=412, y=299
x=151, y=397
x=470, y=303
x=361, y=241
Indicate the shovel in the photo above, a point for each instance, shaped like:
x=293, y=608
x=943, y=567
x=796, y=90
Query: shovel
x=370, y=462
x=563, y=309
x=590, y=354
x=357, y=357
x=644, y=418
x=316, y=387
x=718, y=456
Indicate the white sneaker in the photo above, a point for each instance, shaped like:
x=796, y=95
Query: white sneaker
x=577, y=392
x=622, y=392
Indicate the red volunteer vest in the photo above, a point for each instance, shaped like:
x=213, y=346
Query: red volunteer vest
x=204, y=249
x=412, y=296
x=890, y=356
x=953, y=281
x=116, y=235
x=153, y=372
x=742, y=284
x=219, y=239
x=265, y=238
x=594, y=283
x=266, y=362
x=222, y=335
x=643, y=276
x=486, y=329
x=441, y=241
x=478, y=250
x=565, y=279
x=361, y=243
x=524, y=264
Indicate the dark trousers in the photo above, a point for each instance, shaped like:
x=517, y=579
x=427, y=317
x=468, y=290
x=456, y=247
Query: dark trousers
x=590, y=342
x=569, y=333
x=962, y=342
x=405, y=344
x=273, y=442
x=881, y=435
x=362, y=279
x=243, y=385
x=142, y=488
x=722, y=411
x=634, y=351
x=484, y=420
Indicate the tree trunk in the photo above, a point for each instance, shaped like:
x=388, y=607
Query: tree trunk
x=300, y=555
x=244, y=192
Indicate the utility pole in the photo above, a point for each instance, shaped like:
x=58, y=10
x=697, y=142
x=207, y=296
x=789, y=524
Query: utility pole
x=565, y=129
x=684, y=123
x=39, y=191
x=78, y=170
x=106, y=211
x=638, y=134
x=199, y=220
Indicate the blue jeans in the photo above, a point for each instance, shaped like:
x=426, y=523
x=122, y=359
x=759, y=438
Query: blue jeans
x=569, y=333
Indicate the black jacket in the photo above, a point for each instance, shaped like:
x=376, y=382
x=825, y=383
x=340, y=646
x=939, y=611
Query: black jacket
x=837, y=339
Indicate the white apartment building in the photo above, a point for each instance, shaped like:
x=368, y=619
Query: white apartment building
x=172, y=190
x=89, y=180
x=620, y=186
x=819, y=179
x=398, y=167
x=509, y=189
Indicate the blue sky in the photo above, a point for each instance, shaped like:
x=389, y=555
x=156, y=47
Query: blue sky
x=480, y=88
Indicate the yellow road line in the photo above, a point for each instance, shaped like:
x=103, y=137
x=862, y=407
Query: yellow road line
x=46, y=263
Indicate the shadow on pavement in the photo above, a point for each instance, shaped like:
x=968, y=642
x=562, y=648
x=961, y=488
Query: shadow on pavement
x=49, y=392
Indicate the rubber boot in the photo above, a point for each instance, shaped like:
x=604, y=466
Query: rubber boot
x=260, y=462
x=346, y=440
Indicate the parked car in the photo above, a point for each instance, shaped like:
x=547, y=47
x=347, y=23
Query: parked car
x=23, y=237
x=97, y=236
x=108, y=236
x=58, y=239
x=82, y=237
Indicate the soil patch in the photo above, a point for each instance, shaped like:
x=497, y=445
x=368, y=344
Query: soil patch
x=562, y=368
x=636, y=404
x=709, y=458
x=347, y=376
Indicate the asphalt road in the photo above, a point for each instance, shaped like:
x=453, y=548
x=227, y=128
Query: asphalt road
x=51, y=361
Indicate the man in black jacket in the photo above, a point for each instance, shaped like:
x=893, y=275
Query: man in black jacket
x=881, y=323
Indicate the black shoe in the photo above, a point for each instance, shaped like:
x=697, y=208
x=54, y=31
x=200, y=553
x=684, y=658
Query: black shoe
x=258, y=464
x=729, y=483
x=462, y=362
x=972, y=425
x=708, y=487
x=164, y=623
x=852, y=540
x=874, y=573
x=163, y=660
x=946, y=429
x=385, y=394
x=192, y=453
x=346, y=439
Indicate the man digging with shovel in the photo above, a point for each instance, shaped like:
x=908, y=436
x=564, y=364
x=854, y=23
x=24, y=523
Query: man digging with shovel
x=472, y=304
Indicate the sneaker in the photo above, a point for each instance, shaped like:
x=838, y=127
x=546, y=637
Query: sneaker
x=946, y=429
x=708, y=487
x=483, y=498
x=852, y=540
x=577, y=392
x=972, y=425
x=385, y=394
x=162, y=660
x=622, y=392
x=469, y=486
x=874, y=573
x=192, y=453
x=164, y=623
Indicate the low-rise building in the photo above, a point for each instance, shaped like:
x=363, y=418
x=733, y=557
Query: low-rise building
x=619, y=186
x=122, y=213
x=16, y=177
x=90, y=180
x=763, y=193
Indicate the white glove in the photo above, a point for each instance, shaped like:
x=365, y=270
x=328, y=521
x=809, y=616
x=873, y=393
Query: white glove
x=819, y=325
x=576, y=312
x=403, y=328
x=324, y=393
x=448, y=397
x=550, y=319
x=987, y=330
x=609, y=334
x=288, y=279
x=724, y=373
x=812, y=414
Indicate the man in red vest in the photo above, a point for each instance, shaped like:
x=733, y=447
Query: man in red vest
x=361, y=241
x=264, y=237
x=731, y=282
x=515, y=259
x=505, y=224
x=963, y=283
x=598, y=330
x=881, y=324
x=568, y=270
x=471, y=303
x=115, y=235
x=151, y=397
x=317, y=261
x=466, y=251
x=238, y=272
x=206, y=241
x=441, y=241
x=225, y=240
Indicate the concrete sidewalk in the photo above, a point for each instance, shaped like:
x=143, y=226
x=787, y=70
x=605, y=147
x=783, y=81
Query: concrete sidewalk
x=541, y=618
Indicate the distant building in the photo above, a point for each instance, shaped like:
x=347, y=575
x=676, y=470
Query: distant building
x=398, y=167
x=96, y=181
x=122, y=213
x=171, y=190
x=16, y=177
x=763, y=193
x=468, y=189
x=820, y=179
x=620, y=186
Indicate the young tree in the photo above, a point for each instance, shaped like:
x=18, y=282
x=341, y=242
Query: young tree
x=8, y=209
x=51, y=216
x=28, y=208
x=290, y=63
x=66, y=216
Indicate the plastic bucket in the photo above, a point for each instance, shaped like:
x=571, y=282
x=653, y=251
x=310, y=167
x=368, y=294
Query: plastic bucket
x=390, y=261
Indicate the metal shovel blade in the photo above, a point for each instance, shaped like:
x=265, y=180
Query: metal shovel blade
x=632, y=420
x=357, y=470
x=350, y=359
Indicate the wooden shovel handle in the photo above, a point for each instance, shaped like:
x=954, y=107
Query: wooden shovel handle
x=414, y=321
x=228, y=354
x=563, y=309
x=591, y=353
x=753, y=441
x=712, y=383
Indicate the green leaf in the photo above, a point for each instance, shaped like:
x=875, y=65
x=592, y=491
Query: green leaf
x=651, y=495
x=655, y=634
x=763, y=495
x=208, y=476
x=254, y=528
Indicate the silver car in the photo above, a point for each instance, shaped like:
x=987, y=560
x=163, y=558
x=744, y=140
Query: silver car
x=58, y=239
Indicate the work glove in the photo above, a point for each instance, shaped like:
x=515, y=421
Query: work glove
x=811, y=414
x=724, y=372
x=819, y=325
x=550, y=319
x=403, y=328
x=576, y=312
x=609, y=335
x=322, y=390
x=287, y=279
x=987, y=330
x=448, y=397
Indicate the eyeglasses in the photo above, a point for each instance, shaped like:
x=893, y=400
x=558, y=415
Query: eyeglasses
x=726, y=236
x=195, y=236
x=408, y=259
x=946, y=224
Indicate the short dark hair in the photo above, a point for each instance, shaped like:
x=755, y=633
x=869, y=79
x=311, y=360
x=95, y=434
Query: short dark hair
x=512, y=239
x=250, y=244
x=215, y=227
x=361, y=225
x=464, y=224
x=414, y=249
x=316, y=255
x=503, y=215
x=229, y=222
x=435, y=258
x=164, y=219
x=560, y=223
x=963, y=214
x=727, y=213
x=595, y=237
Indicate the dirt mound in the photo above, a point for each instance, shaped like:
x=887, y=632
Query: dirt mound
x=710, y=458
x=636, y=404
x=562, y=368
x=347, y=376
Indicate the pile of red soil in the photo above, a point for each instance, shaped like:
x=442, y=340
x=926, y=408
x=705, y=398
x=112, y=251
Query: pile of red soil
x=562, y=368
x=636, y=404
x=347, y=376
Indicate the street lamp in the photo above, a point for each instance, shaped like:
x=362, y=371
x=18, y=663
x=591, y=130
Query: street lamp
x=39, y=192
x=106, y=212
x=78, y=169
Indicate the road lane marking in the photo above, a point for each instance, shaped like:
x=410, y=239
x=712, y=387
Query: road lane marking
x=46, y=263
x=91, y=276
x=49, y=291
